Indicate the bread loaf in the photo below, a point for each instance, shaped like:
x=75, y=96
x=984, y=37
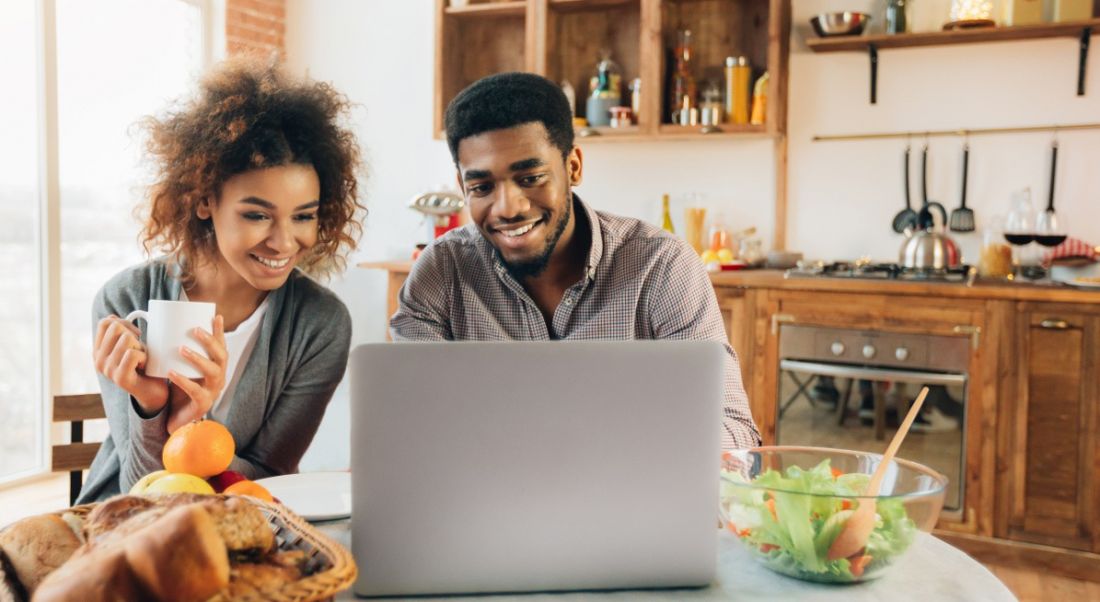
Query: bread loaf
x=180, y=556
x=36, y=546
x=99, y=575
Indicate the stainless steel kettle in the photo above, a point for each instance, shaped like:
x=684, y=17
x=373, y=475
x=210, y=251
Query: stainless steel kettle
x=926, y=248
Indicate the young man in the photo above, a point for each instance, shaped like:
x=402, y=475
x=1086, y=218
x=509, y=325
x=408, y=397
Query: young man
x=537, y=263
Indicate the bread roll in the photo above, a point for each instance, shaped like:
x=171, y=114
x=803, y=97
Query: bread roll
x=100, y=575
x=180, y=556
x=36, y=546
x=108, y=515
x=257, y=581
x=240, y=524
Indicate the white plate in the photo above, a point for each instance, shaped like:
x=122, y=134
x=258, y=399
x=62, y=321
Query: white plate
x=1083, y=284
x=315, y=496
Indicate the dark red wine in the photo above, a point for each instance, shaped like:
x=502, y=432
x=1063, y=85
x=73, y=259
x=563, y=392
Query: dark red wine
x=1016, y=238
x=1050, y=240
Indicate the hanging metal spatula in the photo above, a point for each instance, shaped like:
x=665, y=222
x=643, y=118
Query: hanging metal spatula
x=962, y=218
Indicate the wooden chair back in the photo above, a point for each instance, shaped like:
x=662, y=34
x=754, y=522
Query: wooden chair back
x=77, y=456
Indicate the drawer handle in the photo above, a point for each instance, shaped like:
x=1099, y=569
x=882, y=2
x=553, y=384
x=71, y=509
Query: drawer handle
x=1054, y=324
x=778, y=319
x=975, y=333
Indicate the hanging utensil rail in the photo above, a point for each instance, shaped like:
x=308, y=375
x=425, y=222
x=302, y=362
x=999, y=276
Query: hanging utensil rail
x=959, y=132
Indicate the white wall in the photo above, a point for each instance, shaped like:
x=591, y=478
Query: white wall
x=842, y=195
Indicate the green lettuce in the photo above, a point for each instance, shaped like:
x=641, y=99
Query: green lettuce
x=792, y=532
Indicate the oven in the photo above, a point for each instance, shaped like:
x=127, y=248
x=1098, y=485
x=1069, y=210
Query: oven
x=848, y=388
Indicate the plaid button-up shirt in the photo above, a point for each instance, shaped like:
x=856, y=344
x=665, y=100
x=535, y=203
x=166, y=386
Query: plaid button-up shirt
x=640, y=283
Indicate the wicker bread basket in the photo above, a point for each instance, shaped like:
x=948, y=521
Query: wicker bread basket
x=330, y=568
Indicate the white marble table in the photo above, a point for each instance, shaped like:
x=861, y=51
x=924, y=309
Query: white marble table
x=931, y=571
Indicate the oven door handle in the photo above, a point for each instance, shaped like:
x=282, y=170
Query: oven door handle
x=903, y=376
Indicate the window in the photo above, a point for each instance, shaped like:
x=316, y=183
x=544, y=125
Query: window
x=106, y=83
x=20, y=263
x=116, y=61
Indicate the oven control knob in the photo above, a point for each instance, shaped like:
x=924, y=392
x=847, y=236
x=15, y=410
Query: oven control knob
x=869, y=351
x=837, y=348
x=901, y=353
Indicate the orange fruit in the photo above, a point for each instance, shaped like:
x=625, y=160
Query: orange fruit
x=203, y=448
x=251, y=488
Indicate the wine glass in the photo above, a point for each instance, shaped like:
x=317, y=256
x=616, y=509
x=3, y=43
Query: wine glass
x=1049, y=232
x=1020, y=227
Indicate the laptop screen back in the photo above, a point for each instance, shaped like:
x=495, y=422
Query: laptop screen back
x=532, y=466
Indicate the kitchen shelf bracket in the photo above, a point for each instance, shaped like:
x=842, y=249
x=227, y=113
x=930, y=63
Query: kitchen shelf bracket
x=1083, y=59
x=872, y=54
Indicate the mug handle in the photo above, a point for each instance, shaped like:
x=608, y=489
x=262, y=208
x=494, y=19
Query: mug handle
x=137, y=313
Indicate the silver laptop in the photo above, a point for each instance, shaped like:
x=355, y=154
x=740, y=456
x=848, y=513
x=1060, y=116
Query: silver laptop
x=534, y=466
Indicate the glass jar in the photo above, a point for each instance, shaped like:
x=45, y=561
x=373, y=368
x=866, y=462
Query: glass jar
x=604, y=92
x=995, y=260
x=896, y=17
x=752, y=251
x=971, y=11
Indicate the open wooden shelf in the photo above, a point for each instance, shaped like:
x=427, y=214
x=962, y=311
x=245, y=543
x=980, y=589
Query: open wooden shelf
x=566, y=5
x=603, y=133
x=944, y=38
x=504, y=9
x=667, y=132
x=564, y=39
x=724, y=129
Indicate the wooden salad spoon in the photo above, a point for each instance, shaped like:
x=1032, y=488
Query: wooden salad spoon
x=853, y=536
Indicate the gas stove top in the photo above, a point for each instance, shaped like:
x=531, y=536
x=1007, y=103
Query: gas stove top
x=866, y=270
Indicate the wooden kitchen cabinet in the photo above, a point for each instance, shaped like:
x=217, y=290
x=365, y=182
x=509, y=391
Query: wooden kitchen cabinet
x=1050, y=483
x=562, y=40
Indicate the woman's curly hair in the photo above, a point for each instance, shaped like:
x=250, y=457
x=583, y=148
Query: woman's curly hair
x=250, y=114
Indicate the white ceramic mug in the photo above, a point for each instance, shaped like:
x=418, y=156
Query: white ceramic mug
x=169, y=325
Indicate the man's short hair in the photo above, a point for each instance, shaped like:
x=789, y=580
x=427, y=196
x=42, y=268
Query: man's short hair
x=506, y=100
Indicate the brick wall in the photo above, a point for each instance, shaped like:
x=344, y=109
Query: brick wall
x=255, y=26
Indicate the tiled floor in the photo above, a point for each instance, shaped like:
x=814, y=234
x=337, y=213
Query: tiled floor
x=51, y=494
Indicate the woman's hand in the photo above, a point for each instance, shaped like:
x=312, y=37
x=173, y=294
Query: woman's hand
x=120, y=356
x=195, y=397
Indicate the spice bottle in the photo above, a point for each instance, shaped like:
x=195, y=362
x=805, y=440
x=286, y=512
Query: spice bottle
x=682, y=89
x=738, y=82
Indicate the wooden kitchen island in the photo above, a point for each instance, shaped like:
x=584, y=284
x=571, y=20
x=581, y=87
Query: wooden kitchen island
x=1032, y=459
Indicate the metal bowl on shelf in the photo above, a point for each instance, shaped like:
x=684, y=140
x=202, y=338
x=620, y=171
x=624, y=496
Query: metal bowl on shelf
x=844, y=23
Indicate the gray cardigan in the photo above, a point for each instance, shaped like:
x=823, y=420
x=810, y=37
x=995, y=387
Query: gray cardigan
x=299, y=359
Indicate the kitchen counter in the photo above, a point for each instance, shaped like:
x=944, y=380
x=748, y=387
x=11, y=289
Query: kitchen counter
x=981, y=289
x=776, y=279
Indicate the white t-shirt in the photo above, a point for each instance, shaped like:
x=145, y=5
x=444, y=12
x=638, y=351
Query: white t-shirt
x=238, y=345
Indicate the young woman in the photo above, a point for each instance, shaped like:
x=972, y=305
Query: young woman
x=255, y=191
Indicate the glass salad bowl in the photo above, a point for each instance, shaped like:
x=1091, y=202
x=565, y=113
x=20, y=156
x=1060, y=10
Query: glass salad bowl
x=787, y=505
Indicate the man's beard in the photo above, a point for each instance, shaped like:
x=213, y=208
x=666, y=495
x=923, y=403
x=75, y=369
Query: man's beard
x=530, y=268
